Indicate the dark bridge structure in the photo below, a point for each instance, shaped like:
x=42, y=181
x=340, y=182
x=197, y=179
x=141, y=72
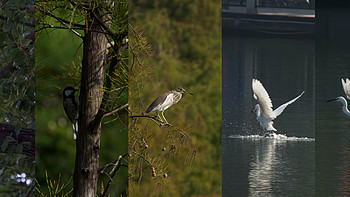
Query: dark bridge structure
x=277, y=17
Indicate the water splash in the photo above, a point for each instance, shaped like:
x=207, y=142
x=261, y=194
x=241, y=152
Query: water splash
x=274, y=136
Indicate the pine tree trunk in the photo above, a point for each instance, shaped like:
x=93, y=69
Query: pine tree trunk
x=88, y=141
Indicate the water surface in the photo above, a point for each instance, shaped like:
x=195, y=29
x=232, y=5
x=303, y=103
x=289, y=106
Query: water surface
x=332, y=126
x=282, y=165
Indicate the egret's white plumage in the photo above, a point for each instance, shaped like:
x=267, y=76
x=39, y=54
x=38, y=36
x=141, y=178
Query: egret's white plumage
x=346, y=87
x=264, y=112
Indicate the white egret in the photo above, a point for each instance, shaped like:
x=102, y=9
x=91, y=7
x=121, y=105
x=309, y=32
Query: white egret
x=264, y=112
x=346, y=87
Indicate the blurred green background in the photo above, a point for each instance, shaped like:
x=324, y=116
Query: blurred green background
x=185, y=37
x=59, y=53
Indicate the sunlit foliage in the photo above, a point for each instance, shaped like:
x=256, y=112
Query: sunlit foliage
x=185, y=43
x=59, y=62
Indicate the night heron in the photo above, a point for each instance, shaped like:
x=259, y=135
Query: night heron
x=264, y=112
x=346, y=87
x=165, y=101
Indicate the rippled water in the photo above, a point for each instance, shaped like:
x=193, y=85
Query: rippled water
x=332, y=126
x=282, y=164
x=259, y=166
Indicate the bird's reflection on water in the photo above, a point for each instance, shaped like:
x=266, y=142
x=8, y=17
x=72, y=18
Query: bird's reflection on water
x=272, y=171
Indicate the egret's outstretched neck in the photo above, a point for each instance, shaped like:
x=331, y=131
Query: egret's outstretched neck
x=345, y=107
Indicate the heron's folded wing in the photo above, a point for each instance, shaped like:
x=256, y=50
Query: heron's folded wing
x=280, y=109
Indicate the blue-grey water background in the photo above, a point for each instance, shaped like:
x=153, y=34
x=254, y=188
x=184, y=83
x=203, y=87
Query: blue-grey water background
x=332, y=126
x=257, y=166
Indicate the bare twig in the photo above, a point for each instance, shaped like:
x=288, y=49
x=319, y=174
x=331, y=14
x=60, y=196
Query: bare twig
x=59, y=18
x=62, y=21
x=115, y=111
x=117, y=164
x=154, y=118
x=114, y=163
x=30, y=190
x=117, y=89
x=49, y=26
x=150, y=163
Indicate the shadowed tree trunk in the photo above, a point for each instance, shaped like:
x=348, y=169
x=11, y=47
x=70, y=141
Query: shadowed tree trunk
x=88, y=141
x=103, y=81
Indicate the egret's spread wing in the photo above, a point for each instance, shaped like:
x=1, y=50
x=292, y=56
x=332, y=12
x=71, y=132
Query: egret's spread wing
x=346, y=87
x=263, y=98
x=280, y=109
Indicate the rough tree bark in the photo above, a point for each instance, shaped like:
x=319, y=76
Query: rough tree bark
x=88, y=141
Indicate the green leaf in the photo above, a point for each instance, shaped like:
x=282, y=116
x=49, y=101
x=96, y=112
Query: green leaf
x=19, y=148
x=10, y=149
x=18, y=128
x=6, y=27
x=26, y=42
x=4, y=145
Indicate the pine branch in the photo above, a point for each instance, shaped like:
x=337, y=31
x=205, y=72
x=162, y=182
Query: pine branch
x=62, y=21
x=177, y=129
x=50, y=26
x=47, y=12
x=115, y=111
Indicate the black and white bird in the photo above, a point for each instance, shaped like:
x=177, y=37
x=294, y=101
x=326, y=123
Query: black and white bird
x=346, y=87
x=71, y=108
x=165, y=101
x=263, y=110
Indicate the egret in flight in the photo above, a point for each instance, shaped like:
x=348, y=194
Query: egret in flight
x=263, y=110
x=346, y=87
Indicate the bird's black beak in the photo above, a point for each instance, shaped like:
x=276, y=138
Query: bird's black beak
x=332, y=100
x=190, y=93
x=253, y=110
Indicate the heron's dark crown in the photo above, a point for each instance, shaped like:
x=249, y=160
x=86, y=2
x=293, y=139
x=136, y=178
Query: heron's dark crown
x=180, y=90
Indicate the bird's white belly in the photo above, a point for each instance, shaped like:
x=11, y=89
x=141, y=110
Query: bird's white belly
x=266, y=124
x=169, y=101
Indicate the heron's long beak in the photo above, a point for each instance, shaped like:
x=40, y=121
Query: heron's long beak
x=253, y=110
x=332, y=100
x=190, y=93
